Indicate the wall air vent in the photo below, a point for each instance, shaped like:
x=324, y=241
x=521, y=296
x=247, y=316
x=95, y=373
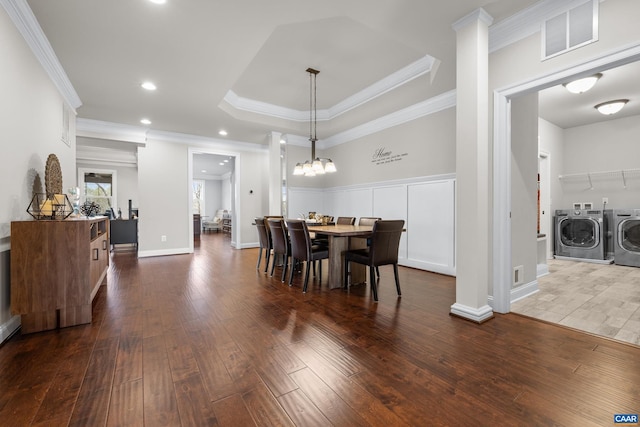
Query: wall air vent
x=570, y=30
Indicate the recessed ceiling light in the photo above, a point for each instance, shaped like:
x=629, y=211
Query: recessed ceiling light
x=158, y=1
x=282, y=141
x=222, y=132
x=226, y=160
x=203, y=171
x=582, y=85
x=221, y=164
x=145, y=121
x=611, y=107
x=148, y=86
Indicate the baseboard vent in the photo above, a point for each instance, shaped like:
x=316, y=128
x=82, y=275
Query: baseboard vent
x=518, y=275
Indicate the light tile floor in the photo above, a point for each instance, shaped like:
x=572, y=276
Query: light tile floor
x=596, y=298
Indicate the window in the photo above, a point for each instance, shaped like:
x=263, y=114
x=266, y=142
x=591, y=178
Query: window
x=198, y=196
x=99, y=186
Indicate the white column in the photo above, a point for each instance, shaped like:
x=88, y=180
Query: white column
x=275, y=174
x=472, y=168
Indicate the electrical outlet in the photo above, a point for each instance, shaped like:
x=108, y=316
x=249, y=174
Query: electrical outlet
x=163, y=238
x=605, y=200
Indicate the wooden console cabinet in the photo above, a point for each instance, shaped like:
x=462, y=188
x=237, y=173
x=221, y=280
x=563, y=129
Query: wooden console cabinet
x=56, y=270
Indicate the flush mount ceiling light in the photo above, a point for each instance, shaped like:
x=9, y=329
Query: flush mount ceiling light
x=582, y=85
x=145, y=121
x=611, y=107
x=148, y=86
x=222, y=132
x=317, y=165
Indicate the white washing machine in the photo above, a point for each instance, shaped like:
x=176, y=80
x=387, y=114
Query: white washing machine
x=583, y=234
x=627, y=237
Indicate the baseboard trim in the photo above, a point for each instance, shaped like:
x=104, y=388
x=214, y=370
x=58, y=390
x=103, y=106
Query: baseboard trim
x=9, y=328
x=478, y=315
x=524, y=291
x=164, y=252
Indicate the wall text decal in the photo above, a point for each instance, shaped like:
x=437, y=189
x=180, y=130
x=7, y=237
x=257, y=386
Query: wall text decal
x=382, y=156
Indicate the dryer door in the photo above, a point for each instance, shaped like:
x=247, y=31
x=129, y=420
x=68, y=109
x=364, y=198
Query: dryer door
x=629, y=235
x=581, y=233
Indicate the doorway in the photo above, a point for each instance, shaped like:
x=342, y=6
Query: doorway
x=502, y=204
x=216, y=173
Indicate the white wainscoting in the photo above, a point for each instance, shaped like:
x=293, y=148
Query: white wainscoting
x=427, y=204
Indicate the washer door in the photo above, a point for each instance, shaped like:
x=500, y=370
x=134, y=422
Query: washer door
x=583, y=233
x=629, y=235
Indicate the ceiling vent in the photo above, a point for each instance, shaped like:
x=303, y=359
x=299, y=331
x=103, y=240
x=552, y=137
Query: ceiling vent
x=570, y=30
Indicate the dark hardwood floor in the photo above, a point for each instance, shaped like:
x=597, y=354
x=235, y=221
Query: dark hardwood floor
x=206, y=339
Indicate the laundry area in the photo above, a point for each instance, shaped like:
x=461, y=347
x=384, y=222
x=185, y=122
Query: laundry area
x=589, y=215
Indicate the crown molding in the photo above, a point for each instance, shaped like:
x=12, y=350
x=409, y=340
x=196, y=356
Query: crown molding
x=224, y=145
x=98, y=129
x=389, y=83
x=106, y=156
x=27, y=24
x=421, y=109
x=475, y=16
x=527, y=22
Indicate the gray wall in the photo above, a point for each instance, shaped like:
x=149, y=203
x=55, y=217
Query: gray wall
x=524, y=185
x=31, y=127
x=422, y=147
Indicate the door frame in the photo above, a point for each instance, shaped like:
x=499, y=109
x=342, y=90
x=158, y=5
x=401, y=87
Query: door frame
x=501, y=266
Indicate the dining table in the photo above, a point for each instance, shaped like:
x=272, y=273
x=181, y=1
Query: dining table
x=342, y=238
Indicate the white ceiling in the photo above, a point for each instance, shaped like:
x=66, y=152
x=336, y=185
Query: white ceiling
x=240, y=66
x=566, y=110
x=199, y=51
x=212, y=166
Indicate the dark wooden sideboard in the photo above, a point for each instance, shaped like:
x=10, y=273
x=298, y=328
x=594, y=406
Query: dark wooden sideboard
x=57, y=268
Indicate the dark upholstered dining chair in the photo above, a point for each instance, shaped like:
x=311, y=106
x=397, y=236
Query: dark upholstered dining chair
x=302, y=249
x=280, y=244
x=369, y=220
x=346, y=220
x=265, y=242
x=385, y=242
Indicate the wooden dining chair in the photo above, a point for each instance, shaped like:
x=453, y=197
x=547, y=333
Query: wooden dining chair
x=280, y=244
x=265, y=242
x=385, y=243
x=302, y=249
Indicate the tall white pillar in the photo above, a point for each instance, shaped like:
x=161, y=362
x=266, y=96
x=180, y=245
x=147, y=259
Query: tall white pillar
x=473, y=265
x=275, y=174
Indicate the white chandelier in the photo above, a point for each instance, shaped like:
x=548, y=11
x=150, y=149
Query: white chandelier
x=317, y=165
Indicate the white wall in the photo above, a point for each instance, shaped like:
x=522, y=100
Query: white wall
x=426, y=204
x=213, y=196
x=31, y=127
x=611, y=146
x=552, y=142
